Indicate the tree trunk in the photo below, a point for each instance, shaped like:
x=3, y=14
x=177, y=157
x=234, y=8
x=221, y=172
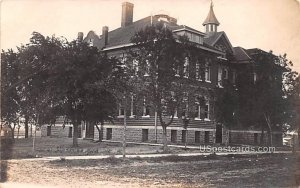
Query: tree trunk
x=12, y=129
x=124, y=131
x=26, y=125
x=262, y=136
x=185, y=140
x=101, y=131
x=298, y=137
x=75, y=134
x=270, y=135
x=18, y=132
x=165, y=148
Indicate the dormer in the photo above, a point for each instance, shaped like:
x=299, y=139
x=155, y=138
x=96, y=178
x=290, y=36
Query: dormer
x=165, y=18
x=192, y=34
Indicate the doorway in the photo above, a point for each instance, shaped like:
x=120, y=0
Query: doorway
x=219, y=131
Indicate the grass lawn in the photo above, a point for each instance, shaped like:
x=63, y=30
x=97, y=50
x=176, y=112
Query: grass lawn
x=45, y=146
x=267, y=170
x=263, y=170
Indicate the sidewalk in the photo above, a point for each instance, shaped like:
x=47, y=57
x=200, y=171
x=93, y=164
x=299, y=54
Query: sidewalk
x=145, y=155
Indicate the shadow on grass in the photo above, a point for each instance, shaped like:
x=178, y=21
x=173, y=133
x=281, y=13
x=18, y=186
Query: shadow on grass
x=6, y=146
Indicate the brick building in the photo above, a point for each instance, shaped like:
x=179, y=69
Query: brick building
x=223, y=62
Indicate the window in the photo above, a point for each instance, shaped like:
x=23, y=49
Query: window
x=211, y=27
x=255, y=138
x=135, y=66
x=207, y=71
x=186, y=67
x=185, y=107
x=206, y=111
x=189, y=35
x=49, y=130
x=144, y=135
x=207, y=28
x=176, y=70
x=183, y=136
x=175, y=113
x=206, y=136
x=197, y=111
x=173, y=136
x=91, y=42
x=225, y=73
x=108, y=133
x=197, y=136
x=198, y=76
x=220, y=80
x=254, y=77
x=70, y=132
x=146, y=109
x=121, y=111
x=233, y=76
x=147, y=68
x=132, y=106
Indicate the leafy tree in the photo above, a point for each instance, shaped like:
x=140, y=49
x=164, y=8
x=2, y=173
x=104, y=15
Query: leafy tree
x=35, y=59
x=155, y=61
x=262, y=102
x=292, y=82
x=77, y=84
x=10, y=100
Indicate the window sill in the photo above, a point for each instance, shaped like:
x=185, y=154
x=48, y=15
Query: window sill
x=207, y=119
x=220, y=86
x=208, y=81
x=133, y=116
x=198, y=119
x=122, y=116
x=148, y=116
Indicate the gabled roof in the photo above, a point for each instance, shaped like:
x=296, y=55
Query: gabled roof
x=241, y=55
x=211, y=17
x=214, y=37
x=121, y=37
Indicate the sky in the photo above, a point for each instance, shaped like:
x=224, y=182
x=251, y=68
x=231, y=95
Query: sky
x=266, y=24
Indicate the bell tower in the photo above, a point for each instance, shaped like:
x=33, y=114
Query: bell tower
x=211, y=23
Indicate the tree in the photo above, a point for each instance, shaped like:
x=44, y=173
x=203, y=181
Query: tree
x=292, y=89
x=263, y=102
x=227, y=107
x=155, y=61
x=77, y=84
x=10, y=100
x=35, y=59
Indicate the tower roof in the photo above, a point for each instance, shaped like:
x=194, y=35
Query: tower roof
x=211, y=18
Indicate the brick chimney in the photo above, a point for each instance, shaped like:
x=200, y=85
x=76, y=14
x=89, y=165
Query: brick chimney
x=105, y=34
x=80, y=37
x=127, y=14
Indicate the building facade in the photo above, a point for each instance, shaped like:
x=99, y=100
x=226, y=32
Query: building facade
x=222, y=63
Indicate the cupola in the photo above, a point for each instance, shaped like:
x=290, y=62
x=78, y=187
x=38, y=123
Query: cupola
x=211, y=22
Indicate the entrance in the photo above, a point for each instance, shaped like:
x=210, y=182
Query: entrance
x=89, y=131
x=48, y=130
x=219, y=133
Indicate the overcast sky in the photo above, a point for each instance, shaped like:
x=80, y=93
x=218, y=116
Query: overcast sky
x=266, y=24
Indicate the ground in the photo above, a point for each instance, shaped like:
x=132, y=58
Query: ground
x=262, y=170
